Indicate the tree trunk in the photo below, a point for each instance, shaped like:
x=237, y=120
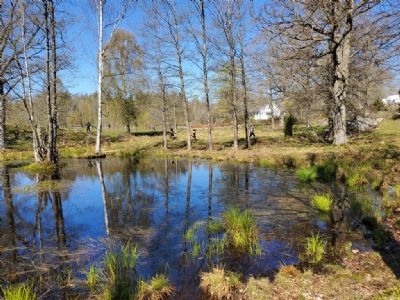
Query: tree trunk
x=48, y=81
x=271, y=105
x=341, y=59
x=205, y=75
x=183, y=93
x=100, y=79
x=233, y=99
x=244, y=85
x=38, y=146
x=52, y=153
x=128, y=127
x=2, y=116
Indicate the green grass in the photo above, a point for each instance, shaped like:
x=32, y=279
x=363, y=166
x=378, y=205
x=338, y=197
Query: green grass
x=41, y=168
x=92, y=278
x=22, y=291
x=306, y=174
x=157, y=288
x=215, y=227
x=315, y=249
x=242, y=232
x=119, y=271
x=326, y=172
x=322, y=202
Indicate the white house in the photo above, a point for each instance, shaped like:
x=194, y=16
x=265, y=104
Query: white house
x=265, y=112
x=393, y=99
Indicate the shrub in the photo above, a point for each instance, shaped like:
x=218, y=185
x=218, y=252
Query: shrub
x=22, y=291
x=157, y=288
x=322, y=203
x=241, y=231
x=315, y=248
x=306, y=174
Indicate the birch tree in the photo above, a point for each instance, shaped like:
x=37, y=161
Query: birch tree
x=99, y=6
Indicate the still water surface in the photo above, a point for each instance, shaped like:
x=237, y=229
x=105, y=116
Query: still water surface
x=151, y=202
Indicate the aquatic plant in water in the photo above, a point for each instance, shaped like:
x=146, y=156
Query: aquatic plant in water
x=322, y=202
x=239, y=234
x=242, y=232
x=119, y=271
x=307, y=174
x=22, y=291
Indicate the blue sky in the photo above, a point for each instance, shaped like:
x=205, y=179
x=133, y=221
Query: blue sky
x=81, y=37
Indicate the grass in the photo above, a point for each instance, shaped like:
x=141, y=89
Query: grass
x=220, y=284
x=41, y=168
x=307, y=174
x=22, y=291
x=157, y=288
x=322, y=202
x=315, y=249
x=215, y=227
x=361, y=276
x=92, y=278
x=119, y=270
x=242, y=232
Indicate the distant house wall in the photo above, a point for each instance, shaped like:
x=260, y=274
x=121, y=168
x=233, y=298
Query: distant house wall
x=393, y=99
x=265, y=113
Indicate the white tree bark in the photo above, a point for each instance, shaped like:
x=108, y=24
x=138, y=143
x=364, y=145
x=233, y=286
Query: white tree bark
x=100, y=71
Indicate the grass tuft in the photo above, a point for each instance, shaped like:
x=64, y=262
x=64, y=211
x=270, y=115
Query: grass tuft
x=315, y=248
x=41, y=168
x=306, y=174
x=92, y=278
x=322, y=203
x=22, y=291
x=220, y=284
x=157, y=288
x=241, y=231
x=119, y=270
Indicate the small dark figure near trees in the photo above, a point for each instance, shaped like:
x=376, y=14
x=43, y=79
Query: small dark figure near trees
x=252, y=134
x=109, y=126
x=194, y=134
x=88, y=127
x=171, y=133
x=289, y=123
x=16, y=132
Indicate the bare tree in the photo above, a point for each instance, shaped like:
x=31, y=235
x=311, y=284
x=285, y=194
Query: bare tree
x=8, y=14
x=223, y=13
x=99, y=9
x=202, y=48
x=327, y=28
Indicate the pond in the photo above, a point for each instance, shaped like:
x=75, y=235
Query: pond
x=64, y=226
